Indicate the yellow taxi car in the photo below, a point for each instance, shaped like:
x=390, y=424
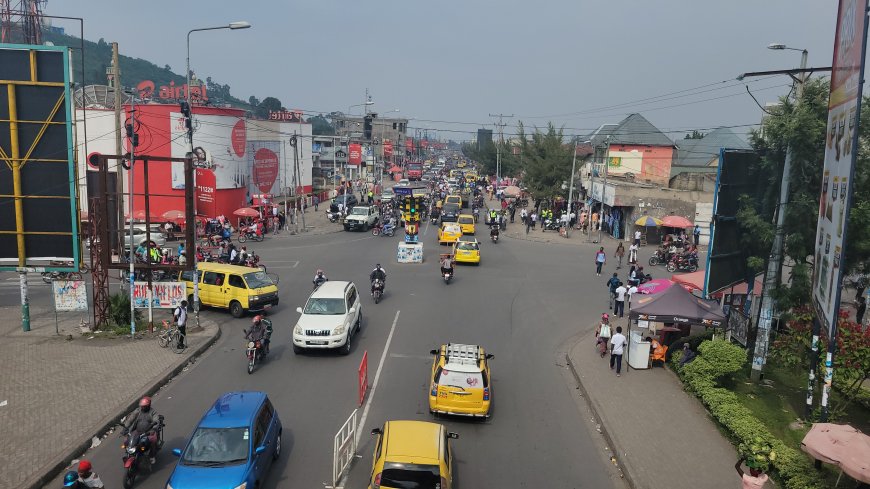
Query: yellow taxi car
x=450, y=232
x=412, y=454
x=460, y=381
x=453, y=199
x=461, y=164
x=470, y=177
x=466, y=222
x=466, y=251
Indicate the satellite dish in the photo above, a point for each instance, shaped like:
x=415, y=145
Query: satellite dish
x=98, y=97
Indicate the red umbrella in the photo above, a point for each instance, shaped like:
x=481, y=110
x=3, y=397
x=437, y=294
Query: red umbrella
x=676, y=222
x=246, y=212
x=140, y=216
x=174, y=216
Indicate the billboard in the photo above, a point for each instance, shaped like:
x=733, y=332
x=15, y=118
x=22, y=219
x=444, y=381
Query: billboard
x=164, y=295
x=841, y=146
x=354, y=154
x=38, y=175
x=739, y=174
x=218, y=144
x=69, y=295
x=205, y=184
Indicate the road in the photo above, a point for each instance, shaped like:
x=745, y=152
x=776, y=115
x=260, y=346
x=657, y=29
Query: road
x=523, y=303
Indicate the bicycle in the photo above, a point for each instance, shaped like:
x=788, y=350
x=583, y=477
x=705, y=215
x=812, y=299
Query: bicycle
x=169, y=337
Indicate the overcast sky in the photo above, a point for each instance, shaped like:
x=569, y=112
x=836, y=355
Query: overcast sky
x=459, y=61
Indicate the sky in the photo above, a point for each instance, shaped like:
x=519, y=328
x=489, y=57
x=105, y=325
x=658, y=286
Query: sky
x=448, y=65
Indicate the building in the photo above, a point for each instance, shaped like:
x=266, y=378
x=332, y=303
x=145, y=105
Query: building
x=383, y=148
x=484, y=137
x=697, y=160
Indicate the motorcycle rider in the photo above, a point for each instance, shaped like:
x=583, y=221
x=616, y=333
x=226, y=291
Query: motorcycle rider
x=319, y=278
x=86, y=475
x=493, y=216
x=493, y=231
x=446, y=265
x=378, y=274
x=144, y=420
x=260, y=331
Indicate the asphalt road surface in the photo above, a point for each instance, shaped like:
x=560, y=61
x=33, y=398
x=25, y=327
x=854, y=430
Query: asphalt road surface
x=524, y=303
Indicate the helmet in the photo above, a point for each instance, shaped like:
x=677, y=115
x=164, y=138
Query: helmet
x=70, y=478
x=145, y=402
x=319, y=272
x=605, y=316
x=85, y=466
x=378, y=265
x=257, y=319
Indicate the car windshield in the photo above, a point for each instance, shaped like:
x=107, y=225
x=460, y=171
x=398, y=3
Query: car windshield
x=411, y=476
x=452, y=229
x=359, y=211
x=388, y=191
x=217, y=446
x=464, y=245
x=324, y=306
x=256, y=280
x=464, y=380
x=466, y=220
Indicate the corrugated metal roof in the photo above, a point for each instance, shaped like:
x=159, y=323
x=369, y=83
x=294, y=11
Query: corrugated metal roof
x=634, y=129
x=699, y=152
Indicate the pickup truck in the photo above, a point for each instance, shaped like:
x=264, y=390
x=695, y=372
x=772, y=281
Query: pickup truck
x=362, y=218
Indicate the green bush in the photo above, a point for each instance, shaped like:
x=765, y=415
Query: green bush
x=694, y=340
x=119, y=311
x=718, y=359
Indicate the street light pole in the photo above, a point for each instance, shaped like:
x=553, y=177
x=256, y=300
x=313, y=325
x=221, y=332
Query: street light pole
x=571, y=189
x=603, y=188
x=233, y=26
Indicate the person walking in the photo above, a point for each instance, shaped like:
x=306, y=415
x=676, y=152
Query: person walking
x=180, y=316
x=637, y=234
x=316, y=202
x=696, y=233
x=534, y=218
x=619, y=253
x=617, y=347
x=632, y=289
x=619, y=300
x=600, y=260
x=528, y=221
x=632, y=254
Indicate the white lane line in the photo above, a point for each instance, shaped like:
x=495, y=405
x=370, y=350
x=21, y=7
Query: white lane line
x=365, y=414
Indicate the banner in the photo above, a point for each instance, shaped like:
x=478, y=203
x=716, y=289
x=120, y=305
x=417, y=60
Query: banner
x=164, y=295
x=205, y=185
x=265, y=169
x=388, y=149
x=218, y=144
x=409, y=144
x=841, y=143
x=69, y=295
x=354, y=154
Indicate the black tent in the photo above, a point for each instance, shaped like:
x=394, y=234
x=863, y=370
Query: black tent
x=677, y=305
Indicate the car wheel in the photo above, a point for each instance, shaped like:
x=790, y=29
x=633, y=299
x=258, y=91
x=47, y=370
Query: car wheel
x=358, y=325
x=347, y=228
x=277, y=454
x=345, y=350
x=297, y=350
x=236, y=309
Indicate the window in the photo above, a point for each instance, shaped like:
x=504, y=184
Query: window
x=211, y=278
x=264, y=420
x=259, y=433
x=217, y=446
x=463, y=380
x=351, y=297
x=187, y=275
x=236, y=281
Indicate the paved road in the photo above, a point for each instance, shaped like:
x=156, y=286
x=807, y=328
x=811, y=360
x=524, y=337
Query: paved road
x=522, y=304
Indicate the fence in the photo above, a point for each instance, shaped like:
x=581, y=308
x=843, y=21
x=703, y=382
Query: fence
x=344, y=448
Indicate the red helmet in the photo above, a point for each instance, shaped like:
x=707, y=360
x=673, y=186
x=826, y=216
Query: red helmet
x=145, y=402
x=85, y=467
x=257, y=319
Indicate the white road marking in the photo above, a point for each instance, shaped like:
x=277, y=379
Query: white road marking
x=365, y=414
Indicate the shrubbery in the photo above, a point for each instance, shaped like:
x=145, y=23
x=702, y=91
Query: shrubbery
x=718, y=359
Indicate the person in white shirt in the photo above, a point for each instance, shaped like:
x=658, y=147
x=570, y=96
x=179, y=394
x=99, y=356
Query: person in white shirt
x=619, y=302
x=632, y=254
x=617, y=347
x=631, y=291
x=637, y=237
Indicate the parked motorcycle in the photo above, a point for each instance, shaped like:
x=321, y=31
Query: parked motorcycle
x=660, y=257
x=384, y=230
x=47, y=277
x=377, y=290
x=247, y=233
x=551, y=224
x=137, y=448
x=689, y=264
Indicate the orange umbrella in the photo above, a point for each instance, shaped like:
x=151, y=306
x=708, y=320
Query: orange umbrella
x=676, y=222
x=841, y=445
x=140, y=216
x=246, y=212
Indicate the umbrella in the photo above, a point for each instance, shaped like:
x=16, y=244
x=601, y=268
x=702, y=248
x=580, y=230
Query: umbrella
x=654, y=286
x=676, y=222
x=395, y=169
x=512, y=191
x=841, y=445
x=246, y=212
x=174, y=216
x=648, y=221
x=140, y=216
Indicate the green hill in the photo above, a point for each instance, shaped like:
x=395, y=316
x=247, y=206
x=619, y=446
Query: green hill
x=98, y=58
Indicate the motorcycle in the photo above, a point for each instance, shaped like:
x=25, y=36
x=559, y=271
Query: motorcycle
x=384, y=230
x=47, y=277
x=551, y=224
x=319, y=281
x=493, y=234
x=254, y=352
x=659, y=257
x=252, y=260
x=377, y=290
x=333, y=216
x=448, y=275
x=248, y=233
x=136, y=451
x=689, y=264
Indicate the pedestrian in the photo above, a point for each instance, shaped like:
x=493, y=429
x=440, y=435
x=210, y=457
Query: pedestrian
x=619, y=253
x=601, y=344
x=862, y=308
x=513, y=210
x=632, y=254
x=594, y=221
x=696, y=233
x=612, y=284
x=619, y=300
x=632, y=289
x=637, y=234
x=528, y=221
x=534, y=218
x=755, y=479
x=316, y=202
x=87, y=475
x=688, y=355
x=180, y=316
x=617, y=346
x=572, y=219
x=600, y=260
x=282, y=219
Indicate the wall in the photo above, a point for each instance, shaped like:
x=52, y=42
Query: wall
x=275, y=137
x=704, y=182
x=647, y=163
x=659, y=202
x=100, y=139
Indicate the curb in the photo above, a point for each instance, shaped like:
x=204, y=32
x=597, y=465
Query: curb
x=61, y=462
x=595, y=411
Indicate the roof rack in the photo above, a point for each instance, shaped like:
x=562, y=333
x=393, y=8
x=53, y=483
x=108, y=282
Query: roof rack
x=459, y=354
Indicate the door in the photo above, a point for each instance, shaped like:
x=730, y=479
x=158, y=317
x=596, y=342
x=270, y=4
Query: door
x=235, y=289
x=210, y=289
x=448, y=460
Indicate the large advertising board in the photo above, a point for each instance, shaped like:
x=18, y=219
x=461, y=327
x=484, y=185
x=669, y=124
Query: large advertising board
x=37, y=173
x=164, y=295
x=264, y=161
x=218, y=144
x=841, y=146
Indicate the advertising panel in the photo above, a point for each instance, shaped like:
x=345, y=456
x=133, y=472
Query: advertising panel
x=354, y=154
x=70, y=295
x=840, y=151
x=621, y=162
x=164, y=295
x=205, y=186
x=388, y=148
x=218, y=144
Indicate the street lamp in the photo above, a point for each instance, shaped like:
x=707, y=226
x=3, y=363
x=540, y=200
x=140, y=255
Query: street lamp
x=233, y=26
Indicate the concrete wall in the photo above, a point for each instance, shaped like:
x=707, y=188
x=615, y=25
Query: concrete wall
x=654, y=162
x=659, y=202
x=705, y=182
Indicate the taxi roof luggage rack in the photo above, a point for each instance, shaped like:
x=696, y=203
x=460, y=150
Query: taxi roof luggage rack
x=463, y=354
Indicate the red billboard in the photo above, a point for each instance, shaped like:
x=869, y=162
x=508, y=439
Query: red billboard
x=205, y=187
x=388, y=148
x=354, y=154
x=265, y=169
x=409, y=144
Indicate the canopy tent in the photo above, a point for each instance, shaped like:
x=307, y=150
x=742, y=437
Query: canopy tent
x=677, y=305
x=695, y=280
x=841, y=445
x=654, y=286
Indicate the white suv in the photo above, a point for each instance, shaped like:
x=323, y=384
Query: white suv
x=361, y=217
x=330, y=318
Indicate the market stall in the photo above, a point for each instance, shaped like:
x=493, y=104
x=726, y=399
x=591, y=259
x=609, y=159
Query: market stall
x=675, y=306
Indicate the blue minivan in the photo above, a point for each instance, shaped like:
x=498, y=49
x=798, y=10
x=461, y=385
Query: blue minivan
x=233, y=446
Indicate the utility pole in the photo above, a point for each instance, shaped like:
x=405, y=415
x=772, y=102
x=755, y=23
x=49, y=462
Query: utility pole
x=500, y=126
x=571, y=188
x=603, y=188
x=119, y=148
x=774, y=262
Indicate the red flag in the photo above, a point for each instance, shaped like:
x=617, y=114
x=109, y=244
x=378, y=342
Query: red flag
x=354, y=154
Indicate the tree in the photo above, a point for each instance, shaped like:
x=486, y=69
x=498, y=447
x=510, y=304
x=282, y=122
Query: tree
x=320, y=126
x=268, y=104
x=546, y=160
x=254, y=101
x=167, y=68
x=696, y=134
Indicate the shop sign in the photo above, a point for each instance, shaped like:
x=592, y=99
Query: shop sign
x=147, y=90
x=285, y=115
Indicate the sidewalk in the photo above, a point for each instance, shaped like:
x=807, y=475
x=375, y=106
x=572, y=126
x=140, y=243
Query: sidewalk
x=58, y=391
x=659, y=434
